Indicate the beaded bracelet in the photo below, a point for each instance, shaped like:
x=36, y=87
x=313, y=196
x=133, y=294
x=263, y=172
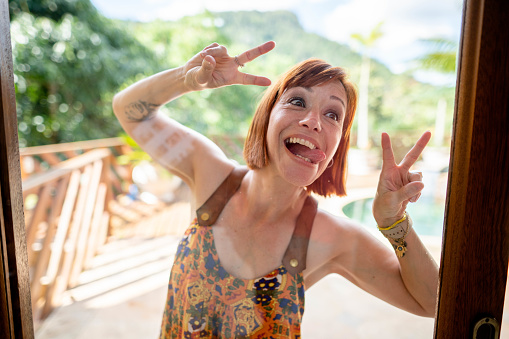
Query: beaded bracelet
x=397, y=232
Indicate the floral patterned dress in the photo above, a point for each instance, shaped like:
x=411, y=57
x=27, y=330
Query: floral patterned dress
x=205, y=301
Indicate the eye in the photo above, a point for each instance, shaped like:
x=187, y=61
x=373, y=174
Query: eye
x=297, y=102
x=332, y=115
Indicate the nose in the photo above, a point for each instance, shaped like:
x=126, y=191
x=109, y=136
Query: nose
x=312, y=121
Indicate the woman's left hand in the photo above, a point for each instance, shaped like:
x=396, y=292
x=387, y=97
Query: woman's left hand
x=397, y=186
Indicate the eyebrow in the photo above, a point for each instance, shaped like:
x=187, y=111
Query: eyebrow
x=333, y=97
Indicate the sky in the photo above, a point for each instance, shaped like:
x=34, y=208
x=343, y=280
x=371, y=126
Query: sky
x=405, y=22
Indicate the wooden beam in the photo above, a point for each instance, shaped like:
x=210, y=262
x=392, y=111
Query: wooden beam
x=64, y=168
x=16, y=281
x=6, y=324
x=72, y=146
x=476, y=245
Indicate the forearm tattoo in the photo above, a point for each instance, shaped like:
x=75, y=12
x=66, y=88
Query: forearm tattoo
x=140, y=110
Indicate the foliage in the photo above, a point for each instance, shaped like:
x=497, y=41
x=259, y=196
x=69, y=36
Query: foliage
x=69, y=61
x=136, y=156
x=229, y=109
x=371, y=38
x=442, y=58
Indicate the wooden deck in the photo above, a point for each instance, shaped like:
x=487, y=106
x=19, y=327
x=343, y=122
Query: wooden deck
x=135, y=260
x=120, y=296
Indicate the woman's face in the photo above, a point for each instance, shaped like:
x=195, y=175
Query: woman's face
x=305, y=129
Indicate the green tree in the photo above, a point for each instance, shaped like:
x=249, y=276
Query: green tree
x=68, y=63
x=441, y=59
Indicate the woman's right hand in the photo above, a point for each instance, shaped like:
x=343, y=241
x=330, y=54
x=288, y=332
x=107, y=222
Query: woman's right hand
x=213, y=68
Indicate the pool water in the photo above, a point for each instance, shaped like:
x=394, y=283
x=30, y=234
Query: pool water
x=427, y=215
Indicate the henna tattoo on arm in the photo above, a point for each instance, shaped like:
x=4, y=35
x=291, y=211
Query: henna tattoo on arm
x=140, y=110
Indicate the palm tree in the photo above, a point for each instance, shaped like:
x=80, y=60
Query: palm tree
x=365, y=42
x=441, y=59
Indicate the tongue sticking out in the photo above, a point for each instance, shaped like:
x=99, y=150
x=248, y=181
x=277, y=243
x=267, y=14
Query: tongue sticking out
x=314, y=155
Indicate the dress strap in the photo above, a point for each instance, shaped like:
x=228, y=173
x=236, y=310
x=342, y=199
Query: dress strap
x=296, y=253
x=208, y=213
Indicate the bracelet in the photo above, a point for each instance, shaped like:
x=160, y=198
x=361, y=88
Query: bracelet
x=397, y=233
x=393, y=225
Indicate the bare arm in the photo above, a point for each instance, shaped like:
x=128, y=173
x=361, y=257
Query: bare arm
x=178, y=148
x=342, y=246
x=396, y=188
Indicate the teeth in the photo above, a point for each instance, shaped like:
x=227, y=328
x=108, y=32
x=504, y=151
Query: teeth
x=301, y=141
x=300, y=156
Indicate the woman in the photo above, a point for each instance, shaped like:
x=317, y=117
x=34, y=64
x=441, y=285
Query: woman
x=258, y=240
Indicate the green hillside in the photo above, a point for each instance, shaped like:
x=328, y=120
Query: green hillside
x=251, y=28
x=397, y=103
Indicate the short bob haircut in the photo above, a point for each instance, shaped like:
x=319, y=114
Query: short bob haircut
x=308, y=73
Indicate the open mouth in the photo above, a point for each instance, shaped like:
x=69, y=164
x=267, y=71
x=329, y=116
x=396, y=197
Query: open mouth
x=305, y=150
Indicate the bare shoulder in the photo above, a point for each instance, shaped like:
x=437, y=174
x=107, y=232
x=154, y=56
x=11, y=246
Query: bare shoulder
x=330, y=236
x=334, y=243
x=202, y=163
x=210, y=172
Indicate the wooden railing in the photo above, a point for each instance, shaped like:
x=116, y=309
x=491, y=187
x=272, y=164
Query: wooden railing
x=40, y=158
x=66, y=190
x=71, y=194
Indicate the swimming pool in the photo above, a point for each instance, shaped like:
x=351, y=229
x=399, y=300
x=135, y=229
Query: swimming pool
x=427, y=215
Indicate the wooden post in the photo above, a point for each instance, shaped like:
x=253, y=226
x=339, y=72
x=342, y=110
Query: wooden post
x=47, y=250
x=84, y=233
x=39, y=214
x=57, y=251
x=476, y=236
x=63, y=226
x=16, y=309
x=54, y=292
x=95, y=226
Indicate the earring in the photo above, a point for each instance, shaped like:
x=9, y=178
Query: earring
x=330, y=163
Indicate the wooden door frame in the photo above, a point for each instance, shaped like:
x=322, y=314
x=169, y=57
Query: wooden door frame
x=15, y=309
x=475, y=247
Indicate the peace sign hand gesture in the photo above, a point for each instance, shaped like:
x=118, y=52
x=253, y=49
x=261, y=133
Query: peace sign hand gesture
x=213, y=67
x=397, y=186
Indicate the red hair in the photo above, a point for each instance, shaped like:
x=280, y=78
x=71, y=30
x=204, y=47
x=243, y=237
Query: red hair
x=309, y=73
